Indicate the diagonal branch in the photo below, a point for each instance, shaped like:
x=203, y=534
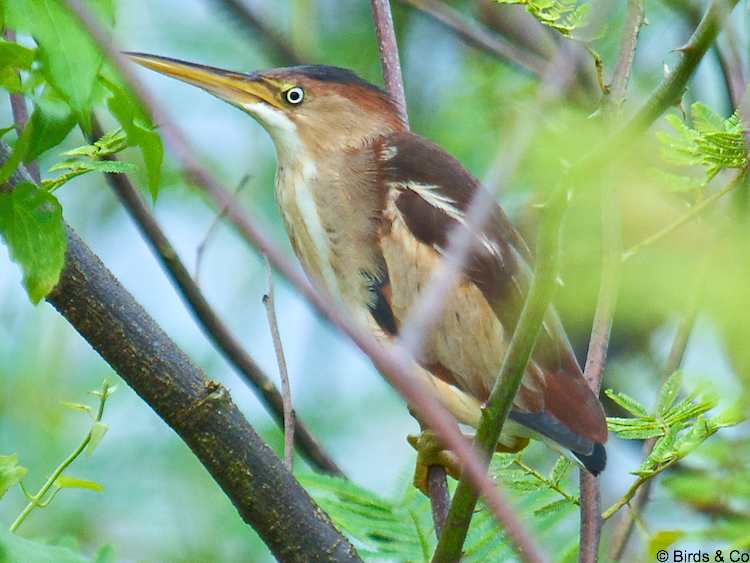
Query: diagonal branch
x=477, y=36
x=209, y=321
x=200, y=410
x=253, y=25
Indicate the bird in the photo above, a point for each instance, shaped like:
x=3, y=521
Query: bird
x=369, y=208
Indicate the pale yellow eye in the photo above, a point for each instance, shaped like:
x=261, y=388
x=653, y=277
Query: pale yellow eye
x=295, y=95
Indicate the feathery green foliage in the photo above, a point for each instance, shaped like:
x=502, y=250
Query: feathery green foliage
x=564, y=16
x=402, y=530
x=712, y=143
x=88, y=158
x=681, y=427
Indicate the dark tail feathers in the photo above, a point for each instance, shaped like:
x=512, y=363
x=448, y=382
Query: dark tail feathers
x=596, y=461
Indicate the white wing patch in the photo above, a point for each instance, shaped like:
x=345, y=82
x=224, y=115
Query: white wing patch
x=430, y=193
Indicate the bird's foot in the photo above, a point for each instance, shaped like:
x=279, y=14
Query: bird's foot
x=431, y=452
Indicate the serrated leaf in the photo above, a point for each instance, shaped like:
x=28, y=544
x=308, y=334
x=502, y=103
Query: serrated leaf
x=10, y=472
x=668, y=393
x=564, y=16
x=98, y=430
x=69, y=59
x=560, y=470
x=69, y=482
x=628, y=403
x=31, y=224
x=52, y=120
x=552, y=507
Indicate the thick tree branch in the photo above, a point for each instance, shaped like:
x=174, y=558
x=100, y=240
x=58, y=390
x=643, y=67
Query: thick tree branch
x=200, y=410
x=392, y=362
x=209, y=321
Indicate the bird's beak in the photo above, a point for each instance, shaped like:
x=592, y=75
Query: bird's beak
x=234, y=87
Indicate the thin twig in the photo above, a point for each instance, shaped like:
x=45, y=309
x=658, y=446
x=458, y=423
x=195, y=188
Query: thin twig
x=281, y=50
x=286, y=389
x=392, y=362
x=38, y=500
x=21, y=115
x=388, y=48
x=201, y=249
x=212, y=325
x=694, y=212
x=596, y=358
x=633, y=23
x=477, y=36
x=437, y=479
x=624, y=527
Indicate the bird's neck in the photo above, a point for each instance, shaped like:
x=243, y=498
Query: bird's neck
x=328, y=201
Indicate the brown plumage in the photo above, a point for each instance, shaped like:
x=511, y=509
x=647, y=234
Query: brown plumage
x=369, y=208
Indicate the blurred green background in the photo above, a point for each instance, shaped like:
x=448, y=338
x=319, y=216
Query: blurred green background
x=159, y=504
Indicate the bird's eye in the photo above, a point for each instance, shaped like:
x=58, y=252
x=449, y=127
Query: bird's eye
x=295, y=95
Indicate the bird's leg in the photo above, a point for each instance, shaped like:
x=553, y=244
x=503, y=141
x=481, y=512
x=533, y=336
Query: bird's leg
x=430, y=451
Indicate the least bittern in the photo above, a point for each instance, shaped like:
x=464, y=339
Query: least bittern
x=369, y=208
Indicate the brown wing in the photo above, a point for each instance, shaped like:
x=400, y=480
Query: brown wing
x=427, y=195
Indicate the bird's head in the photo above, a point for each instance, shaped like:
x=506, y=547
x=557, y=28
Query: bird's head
x=312, y=108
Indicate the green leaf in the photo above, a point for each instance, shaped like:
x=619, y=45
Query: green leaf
x=98, y=430
x=10, y=472
x=662, y=541
x=628, y=403
x=553, y=507
x=68, y=482
x=15, y=56
x=19, y=153
x=560, y=470
x=106, y=554
x=52, y=120
x=77, y=406
x=734, y=415
x=713, y=143
x=668, y=393
x=14, y=549
x=141, y=132
x=564, y=16
x=31, y=224
x=69, y=59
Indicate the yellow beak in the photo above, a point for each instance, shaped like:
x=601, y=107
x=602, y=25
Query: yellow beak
x=233, y=87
